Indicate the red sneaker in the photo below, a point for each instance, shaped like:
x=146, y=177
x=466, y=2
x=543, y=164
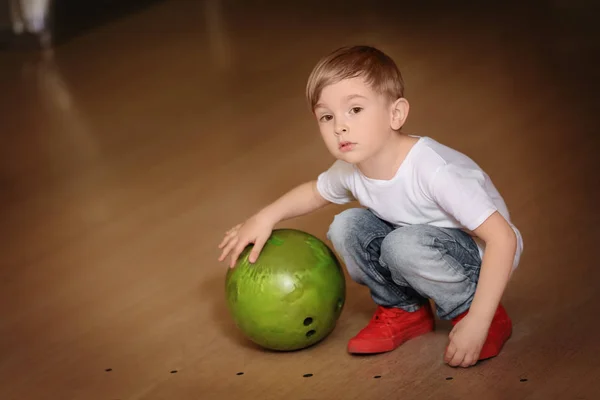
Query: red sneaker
x=499, y=332
x=389, y=328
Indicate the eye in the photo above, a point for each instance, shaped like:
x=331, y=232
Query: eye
x=355, y=110
x=325, y=118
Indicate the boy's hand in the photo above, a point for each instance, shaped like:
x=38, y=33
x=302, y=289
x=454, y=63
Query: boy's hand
x=256, y=230
x=466, y=340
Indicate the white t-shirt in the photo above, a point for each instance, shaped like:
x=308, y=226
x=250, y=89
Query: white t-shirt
x=435, y=185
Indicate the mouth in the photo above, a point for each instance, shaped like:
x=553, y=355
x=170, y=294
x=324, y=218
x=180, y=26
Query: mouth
x=346, y=146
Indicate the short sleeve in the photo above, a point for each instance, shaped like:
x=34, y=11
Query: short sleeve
x=461, y=192
x=333, y=183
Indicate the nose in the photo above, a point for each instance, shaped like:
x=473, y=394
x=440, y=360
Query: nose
x=341, y=129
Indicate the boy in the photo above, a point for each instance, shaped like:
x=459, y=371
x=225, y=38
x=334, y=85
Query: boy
x=432, y=225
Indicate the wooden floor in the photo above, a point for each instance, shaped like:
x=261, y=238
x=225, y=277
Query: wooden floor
x=128, y=152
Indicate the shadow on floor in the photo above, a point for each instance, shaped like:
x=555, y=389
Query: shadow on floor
x=212, y=291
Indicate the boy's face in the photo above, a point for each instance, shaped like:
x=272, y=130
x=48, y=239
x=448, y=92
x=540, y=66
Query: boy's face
x=355, y=121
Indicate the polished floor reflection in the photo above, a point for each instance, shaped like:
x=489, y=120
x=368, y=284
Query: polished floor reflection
x=131, y=147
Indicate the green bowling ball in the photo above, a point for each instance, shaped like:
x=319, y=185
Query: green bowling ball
x=292, y=296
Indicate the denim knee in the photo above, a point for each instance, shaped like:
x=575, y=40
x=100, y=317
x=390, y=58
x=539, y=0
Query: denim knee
x=345, y=234
x=356, y=234
x=431, y=253
x=344, y=223
x=404, y=248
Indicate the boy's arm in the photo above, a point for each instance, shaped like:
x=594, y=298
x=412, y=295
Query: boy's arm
x=496, y=267
x=299, y=201
x=469, y=335
x=460, y=191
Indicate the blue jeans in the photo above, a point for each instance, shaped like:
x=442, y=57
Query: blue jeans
x=405, y=266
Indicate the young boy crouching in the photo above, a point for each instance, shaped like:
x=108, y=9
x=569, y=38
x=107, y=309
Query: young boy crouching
x=432, y=224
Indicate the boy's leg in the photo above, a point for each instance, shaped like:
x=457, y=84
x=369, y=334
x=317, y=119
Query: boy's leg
x=443, y=265
x=402, y=313
x=439, y=263
x=357, y=235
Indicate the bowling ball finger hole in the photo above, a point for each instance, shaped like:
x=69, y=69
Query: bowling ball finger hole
x=310, y=333
x=308, y=321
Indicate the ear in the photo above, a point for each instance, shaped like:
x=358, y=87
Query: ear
x=399, y=113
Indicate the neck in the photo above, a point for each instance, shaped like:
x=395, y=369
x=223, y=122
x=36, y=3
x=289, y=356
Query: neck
x=384, y=164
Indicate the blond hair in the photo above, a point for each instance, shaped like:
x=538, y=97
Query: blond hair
x=379, y=71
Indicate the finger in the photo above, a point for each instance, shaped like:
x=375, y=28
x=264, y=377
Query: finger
x=228, y=248
x=224, y=241
x=229, y=234
x=227, y=238
x=229, y=243
x=458, y=358
x=467, y=361
x=474, y=359
x=241, y=245
x=475, y=356
x=450, y=351
x=258, y=246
